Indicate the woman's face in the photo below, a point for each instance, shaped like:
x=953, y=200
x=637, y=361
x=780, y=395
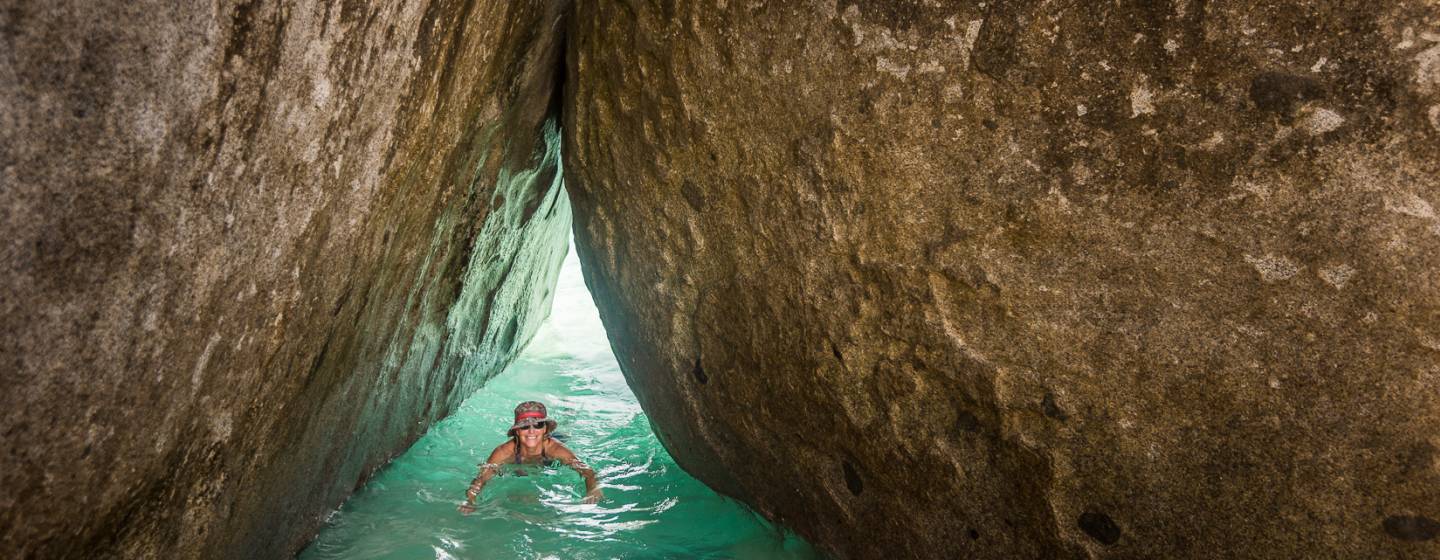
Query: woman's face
x=531, y=435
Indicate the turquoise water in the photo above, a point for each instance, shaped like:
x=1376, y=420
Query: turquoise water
x=652, y=509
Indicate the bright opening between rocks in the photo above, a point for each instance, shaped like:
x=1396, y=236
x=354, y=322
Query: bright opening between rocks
x=652, y=509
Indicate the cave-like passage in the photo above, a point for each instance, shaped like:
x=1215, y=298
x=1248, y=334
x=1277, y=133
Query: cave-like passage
x=652, y=509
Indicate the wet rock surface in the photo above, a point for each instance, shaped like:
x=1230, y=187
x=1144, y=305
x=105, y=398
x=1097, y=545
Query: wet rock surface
x=251, y=250
x=1022, y=279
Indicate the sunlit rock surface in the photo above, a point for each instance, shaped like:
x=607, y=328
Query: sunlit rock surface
x=251, y=251
x=1023, y=279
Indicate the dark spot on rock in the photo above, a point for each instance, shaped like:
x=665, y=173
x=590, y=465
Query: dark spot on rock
x=974, y=535
x=699, y=373
x=967, y=422
x=836, y=352
x=555, y=204
x=852, y=478
x=507, y=339
x=1417, y=457
x=319, y=360
x=1413, y=528
x=1100, y=527
x=900, y=16
x=867, y=102
x=1051, y=409
x=1014, y=213
x=693, y=195
x=535, y=195
x=935, y=122
x=1278, y=92
x=340, y=302
x=990, y=124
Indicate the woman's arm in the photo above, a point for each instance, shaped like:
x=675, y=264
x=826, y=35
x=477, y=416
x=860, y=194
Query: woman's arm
x=592, y=483
x=487, y=472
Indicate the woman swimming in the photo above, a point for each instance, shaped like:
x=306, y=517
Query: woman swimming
x=530, y=444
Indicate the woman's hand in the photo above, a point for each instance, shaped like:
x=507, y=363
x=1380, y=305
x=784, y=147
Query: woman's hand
x=593, y=497
x=487, y=471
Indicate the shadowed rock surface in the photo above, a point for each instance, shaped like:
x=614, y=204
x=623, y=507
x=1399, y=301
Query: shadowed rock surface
x=1027, y=280
x=251, y=250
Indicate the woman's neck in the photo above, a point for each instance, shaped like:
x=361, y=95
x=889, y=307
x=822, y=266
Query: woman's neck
x=531, y=451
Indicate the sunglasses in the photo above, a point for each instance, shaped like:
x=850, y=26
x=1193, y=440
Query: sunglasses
x=530, y=427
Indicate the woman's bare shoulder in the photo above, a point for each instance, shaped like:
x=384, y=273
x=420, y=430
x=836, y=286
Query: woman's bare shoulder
x=500, y=453
x=558, y=450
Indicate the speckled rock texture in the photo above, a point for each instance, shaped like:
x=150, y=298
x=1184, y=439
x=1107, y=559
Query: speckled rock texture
x=252, y=250
x=1027, y=279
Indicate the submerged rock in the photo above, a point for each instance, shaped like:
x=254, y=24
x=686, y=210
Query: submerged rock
x=1020, y=280
x=252, y=250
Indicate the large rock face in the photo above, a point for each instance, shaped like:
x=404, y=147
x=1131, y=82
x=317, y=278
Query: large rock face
x=1025, y=279
x=251, y=250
